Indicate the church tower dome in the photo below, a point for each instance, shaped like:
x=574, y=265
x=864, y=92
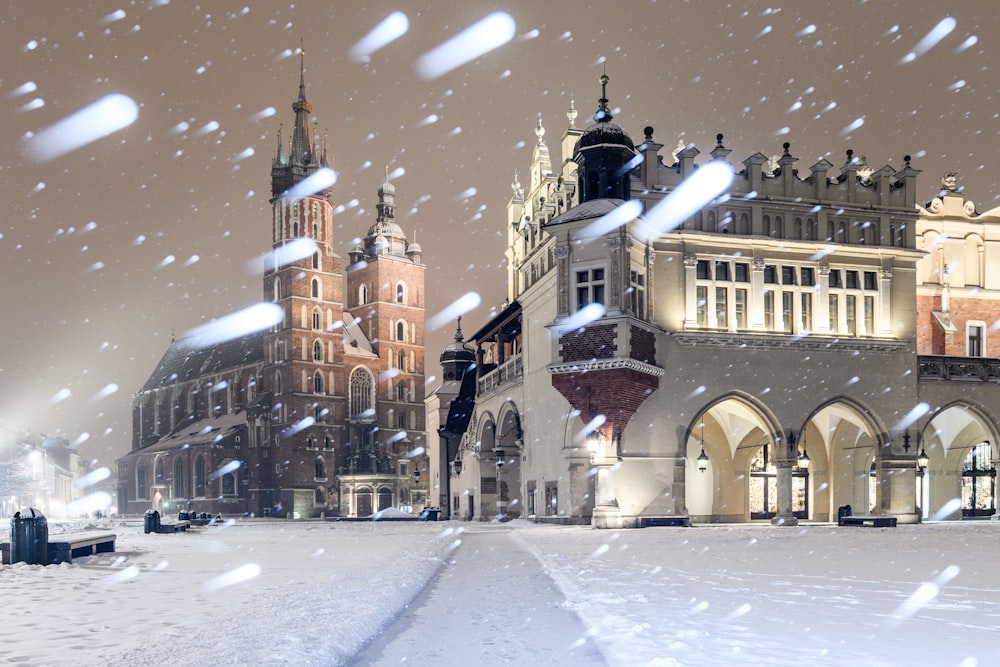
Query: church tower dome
x=603, y=154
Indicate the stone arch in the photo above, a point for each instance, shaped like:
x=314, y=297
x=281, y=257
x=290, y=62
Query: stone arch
x=731, y=429
x=843, y=438
x=510, y=438
x=948, y=437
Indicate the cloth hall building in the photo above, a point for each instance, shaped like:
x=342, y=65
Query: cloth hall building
x=809, y=339
x=320, y=414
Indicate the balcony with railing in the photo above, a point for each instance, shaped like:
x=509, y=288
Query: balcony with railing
x=508, y=372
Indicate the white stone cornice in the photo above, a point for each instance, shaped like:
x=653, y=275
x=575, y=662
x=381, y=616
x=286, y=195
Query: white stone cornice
x=770, y=341
x=604, y=365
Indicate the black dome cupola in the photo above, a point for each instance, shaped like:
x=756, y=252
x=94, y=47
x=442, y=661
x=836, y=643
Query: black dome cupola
x=603, y=155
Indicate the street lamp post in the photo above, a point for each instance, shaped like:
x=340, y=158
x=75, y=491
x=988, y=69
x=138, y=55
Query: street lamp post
x=500, y=455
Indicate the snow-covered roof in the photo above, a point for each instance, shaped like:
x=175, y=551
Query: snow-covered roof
x=355, y=340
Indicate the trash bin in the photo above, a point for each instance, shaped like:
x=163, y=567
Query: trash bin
x=151, y=522
x=430, y=514
x=842, y=511
x=182, y=516
x=29, y=537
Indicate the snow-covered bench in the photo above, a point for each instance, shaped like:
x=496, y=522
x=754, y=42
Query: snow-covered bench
x=64, y=547
x=173, y=526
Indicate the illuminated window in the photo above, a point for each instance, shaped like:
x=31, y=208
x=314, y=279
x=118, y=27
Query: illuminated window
x=851, y=319
x=979, y=481
x=721, y=307
x=740, y=308
x=807, y=316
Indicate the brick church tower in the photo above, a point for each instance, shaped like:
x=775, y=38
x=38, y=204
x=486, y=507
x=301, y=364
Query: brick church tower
x=385, y=294
x=342, y=383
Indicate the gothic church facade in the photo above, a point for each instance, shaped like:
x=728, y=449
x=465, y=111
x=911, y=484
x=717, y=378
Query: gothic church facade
x=320, y=414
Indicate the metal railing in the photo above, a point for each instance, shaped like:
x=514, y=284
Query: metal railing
x=511, y=370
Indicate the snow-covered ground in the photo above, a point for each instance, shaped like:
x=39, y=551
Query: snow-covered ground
x=315, y=593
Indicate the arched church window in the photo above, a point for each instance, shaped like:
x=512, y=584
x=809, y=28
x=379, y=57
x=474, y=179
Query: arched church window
x=316, y=260
x=199, y=477
x=317, y=351
x=140, y=480
x=179, y=484
x=400, y=331
x=400, y=293
x=362, y=396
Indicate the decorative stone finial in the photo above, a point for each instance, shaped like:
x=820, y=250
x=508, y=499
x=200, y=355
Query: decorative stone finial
x=950, y=181
x=571, y=113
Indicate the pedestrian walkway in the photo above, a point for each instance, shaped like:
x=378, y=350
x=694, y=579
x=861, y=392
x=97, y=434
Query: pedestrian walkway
x=491, y=604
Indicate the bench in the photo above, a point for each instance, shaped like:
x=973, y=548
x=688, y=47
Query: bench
x=650, y=521
x=67, y=546
x=872, y=521
x=173, y=526
x=64, y=548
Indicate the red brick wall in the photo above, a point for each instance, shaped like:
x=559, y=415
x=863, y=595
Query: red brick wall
x=932, y=339
x=615, y=393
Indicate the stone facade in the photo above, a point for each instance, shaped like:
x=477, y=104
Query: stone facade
x=772, y=329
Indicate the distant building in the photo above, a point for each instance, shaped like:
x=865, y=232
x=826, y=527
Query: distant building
x=774, y=353
x=321, y=414
x=45, y=473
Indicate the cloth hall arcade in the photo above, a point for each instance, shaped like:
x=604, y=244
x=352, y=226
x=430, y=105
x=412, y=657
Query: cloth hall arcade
x=810, y=339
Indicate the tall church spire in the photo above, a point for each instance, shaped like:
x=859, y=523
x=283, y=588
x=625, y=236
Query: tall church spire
x=305, y=153
x=301, y=146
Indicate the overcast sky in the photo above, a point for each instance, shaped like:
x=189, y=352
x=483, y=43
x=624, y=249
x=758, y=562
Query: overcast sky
x=110, y=248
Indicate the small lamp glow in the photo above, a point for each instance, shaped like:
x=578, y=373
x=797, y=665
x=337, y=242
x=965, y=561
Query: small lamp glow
x=702, y=460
